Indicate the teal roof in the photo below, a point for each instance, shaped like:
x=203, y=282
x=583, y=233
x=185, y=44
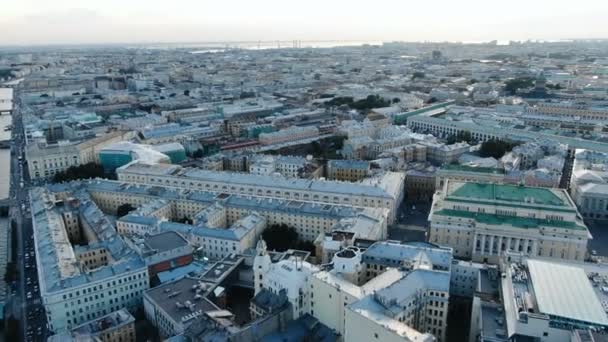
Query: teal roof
x=514, y=221
x=508, y=193
x=402, y=118
x=466, y=168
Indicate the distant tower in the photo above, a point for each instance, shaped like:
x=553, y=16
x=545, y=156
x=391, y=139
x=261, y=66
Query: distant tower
x=261, y=265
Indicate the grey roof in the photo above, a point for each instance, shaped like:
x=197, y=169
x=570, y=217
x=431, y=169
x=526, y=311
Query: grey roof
x=349, y=164
x=246, y=179
x=387, y=252
x=165, y=241
x=565, y=291
x=52, y=256
x=180, y=291
x=408, y=286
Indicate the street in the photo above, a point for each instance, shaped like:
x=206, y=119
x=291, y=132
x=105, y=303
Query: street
x=25, y=296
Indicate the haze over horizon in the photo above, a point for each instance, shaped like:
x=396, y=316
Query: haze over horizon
x=36, y=22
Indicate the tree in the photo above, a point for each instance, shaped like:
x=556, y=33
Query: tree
x=418, y=74
x=198, y=153
x=85, y=171
x=280, y=237
x=185, y=220
x=461, y=136
x=124, y=209
x=495, y=148
x=513, y=85
x=431, y=100
x=12, y=329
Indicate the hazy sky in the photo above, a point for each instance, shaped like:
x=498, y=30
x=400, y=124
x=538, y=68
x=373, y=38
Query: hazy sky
x=105, y=21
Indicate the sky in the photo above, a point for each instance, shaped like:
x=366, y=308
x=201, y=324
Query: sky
x=25, y=22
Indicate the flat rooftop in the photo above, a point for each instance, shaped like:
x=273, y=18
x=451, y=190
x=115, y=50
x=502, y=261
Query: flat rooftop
x=508, y=193
x=165, y=241
x=183, y=299
x=565, y=291
x=111, y=321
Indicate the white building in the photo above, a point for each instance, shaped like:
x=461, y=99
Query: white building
x=391, y=292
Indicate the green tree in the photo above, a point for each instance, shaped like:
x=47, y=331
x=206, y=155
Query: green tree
x=461, y=136
x=495, y=148
x=280, y=237
x=124, y=209
x=513, y=85
x=185, y=220
x=418, y=74
x=85, y=171
x=198, y=153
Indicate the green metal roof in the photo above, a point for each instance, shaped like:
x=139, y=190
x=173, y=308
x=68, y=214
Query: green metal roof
x=402, y=118
x=512, y=205
x=508, y=193
x=466, y=168
x=514, y=221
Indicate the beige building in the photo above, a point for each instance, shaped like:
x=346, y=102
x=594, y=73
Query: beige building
x=348, y=170
x=290, y=134
x=46, y=160
x=384, y=191
x=480, y=221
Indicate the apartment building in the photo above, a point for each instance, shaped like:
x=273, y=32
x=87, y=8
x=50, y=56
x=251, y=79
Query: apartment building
x=384, y=191
x=79, y=284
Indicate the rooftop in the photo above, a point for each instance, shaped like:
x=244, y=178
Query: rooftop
x=565, y=291
x=379, y=189
x=113, y=320
x=514, y=221
x=507, y=193
x=183, y=300
x=165, y=241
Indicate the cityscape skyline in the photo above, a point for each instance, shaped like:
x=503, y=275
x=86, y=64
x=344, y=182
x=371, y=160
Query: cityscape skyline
x=34, y=23
x=339, y=171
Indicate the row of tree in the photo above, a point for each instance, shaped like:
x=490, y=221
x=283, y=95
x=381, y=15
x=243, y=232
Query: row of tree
x=84, y=171
x=495, y=148
x=371, y=101
x=281, y=237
